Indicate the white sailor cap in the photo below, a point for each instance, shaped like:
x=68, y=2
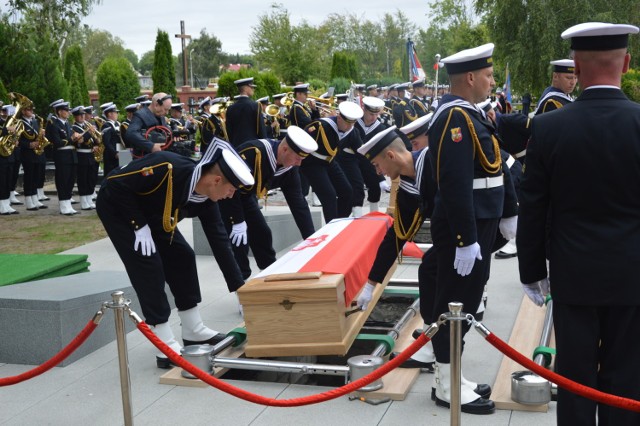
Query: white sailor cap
x=487, y=105
x=105, y=105
x=141, y=98
x=417, y=127
x=599, y=35
x=470, y=59
x=360, y=86
x=132, y=107
x=61, y=105
x=234, y=169
x=279, y=96
x=88, y=110
x=350, y=111
x=372, y=87
x=418, y=83
x=146, y=103
x=378, y=143
x=402, y=86
x=342, y=96
x=57, y=101
x=245, y=82
x=177, y=106
x=563, y=65
x=205, y=101
x=218, y=100
x=263, y=100
x=301, y=142
x=79, y=110
x=109, y=108
x=373, y=104
x=302, y=88
x=6, y=107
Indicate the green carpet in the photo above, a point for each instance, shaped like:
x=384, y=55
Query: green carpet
x=20, y=268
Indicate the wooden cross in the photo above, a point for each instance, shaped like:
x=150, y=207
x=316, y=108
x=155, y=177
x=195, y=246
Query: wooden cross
x=183, y=36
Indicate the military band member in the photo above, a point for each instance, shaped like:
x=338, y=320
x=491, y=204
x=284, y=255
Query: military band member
x=372, y=90
x=403, y=112
x=30, y=159
x=348, y=160
x=86, y=143
x=129, y=110
x=418, y=101
x=244, y=117
x=302, y=111
x=140, y=206
x=283, y=123
x=7, y=165
x=274, y=164
x=143, y=101
x=469, y=205
x=111, y=138
x=64, y=140
x=563, y=81
x=582, y=165
x=326, y=177
x=181, y=128
x=148, y=130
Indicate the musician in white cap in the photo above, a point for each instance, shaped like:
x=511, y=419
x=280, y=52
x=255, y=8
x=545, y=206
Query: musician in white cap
x=140, y=205
x=472, y=200
x=580, y=184
x=129, y=110
x=244, y=117
x=86, y=144
x=273, y=164
x=325, y=176
x=302, y=111
x=563, y=81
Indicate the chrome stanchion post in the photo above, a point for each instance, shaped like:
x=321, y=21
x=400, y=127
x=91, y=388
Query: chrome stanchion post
x=118, y=305
x=455, y=324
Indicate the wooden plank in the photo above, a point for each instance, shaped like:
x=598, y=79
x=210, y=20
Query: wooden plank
x=396, y=385
x=290, y=276
x=525, y=337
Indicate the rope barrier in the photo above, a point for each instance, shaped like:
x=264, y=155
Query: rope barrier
x=57, y=359
x=294, y=402
x=563, y=382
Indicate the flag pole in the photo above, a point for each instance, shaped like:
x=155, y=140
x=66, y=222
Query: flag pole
x=435, y=96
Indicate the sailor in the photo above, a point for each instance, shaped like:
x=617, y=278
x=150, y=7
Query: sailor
x=418, y=99
x=111, y=137
x=325, y=175
x=148, y=130
x=244, y=116
x=143, y=101
x=403, y=112
x=469, y=206
x=31, y=160
x=7, y=165
x=181, y=129
x=563, y=81
x=372, y=90
x=269, y=122
x=282, y=114
x=303, y=111
x=273, y=164
x=140, y=205
x=87, y=173
x=348, y=159
x=129, y=110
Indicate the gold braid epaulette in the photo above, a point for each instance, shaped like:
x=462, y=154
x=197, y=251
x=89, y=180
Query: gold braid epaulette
x=405, y=234
x=169, y=223
x=257, y=170
x=325, y=142
x=553, y=102
x=484, y=161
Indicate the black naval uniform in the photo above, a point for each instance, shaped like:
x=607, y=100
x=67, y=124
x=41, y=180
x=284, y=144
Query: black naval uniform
x=244, y=121
x=212, y=126
x=87, y=165
x=514, y=131
x=64, y=155
x=403, y=112
x=370, y=177
x=30, y=160
x=587, y=174
x=301, y=116
x=111, y=138
x=261, y=156
x=6, y=170
x=552, y=98
x=144, y=119
x=123, y=131
x=134, y=196
x=325, y=175
x=420, y=106
x=464, y=157
x=349, y=161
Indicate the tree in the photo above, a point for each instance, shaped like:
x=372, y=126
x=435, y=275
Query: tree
x=131, y=56
x=146, y=62
x=3, y=92
x=75, y=76
x=117, y=81
x=163, y=75
x=99, y=45
x=205, y=57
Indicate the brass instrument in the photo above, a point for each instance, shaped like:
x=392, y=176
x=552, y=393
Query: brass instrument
x=325, y=105
x=220, y=108
x=273, y=111
x=98, y=154
x=42, y=140
x=9, y=142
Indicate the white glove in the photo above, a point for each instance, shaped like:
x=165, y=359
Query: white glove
x=365, y=296
x=145, y=241
x=508, y=227
x=384, y=186
x=466, y=257
x=537, y=291
x=238, y=235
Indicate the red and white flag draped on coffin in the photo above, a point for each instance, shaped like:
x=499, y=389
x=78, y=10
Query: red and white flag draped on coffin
x=343, y=246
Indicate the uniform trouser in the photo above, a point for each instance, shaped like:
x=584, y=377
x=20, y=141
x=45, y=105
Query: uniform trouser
x=259, y=236
x=109, y=164
x=597, y=346
x=41, y=173
x=330, y=185
x=452, y=287
x=15, y=172
x=173, y=262
x=427, y=275
x=371, y=179
x=87, y=175
x=351, y=168
x=30, y=177
x=65, y=179
x=6, y=173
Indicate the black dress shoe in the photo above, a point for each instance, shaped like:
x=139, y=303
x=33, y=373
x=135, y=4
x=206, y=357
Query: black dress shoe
x=35, y=209
x=16, y=203
x=74, y=202
x=212, y=341
x=482, y=389
x=502, y=255
x=44, y=199
x=427, y=367
x=479, y=406
x=15, y=212
x=43, y=207
x=164, y=362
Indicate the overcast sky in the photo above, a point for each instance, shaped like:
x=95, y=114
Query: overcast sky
x=136, y=21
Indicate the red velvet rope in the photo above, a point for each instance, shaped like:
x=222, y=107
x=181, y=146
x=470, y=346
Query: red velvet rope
x=57, y=359
x=294, y=402
x=563, y=382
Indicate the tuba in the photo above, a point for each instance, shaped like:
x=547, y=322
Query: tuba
x=42, y=140
x=98, y=154
x=9, y=142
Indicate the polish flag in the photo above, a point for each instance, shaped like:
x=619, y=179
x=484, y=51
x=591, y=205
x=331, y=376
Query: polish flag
x=343, y=246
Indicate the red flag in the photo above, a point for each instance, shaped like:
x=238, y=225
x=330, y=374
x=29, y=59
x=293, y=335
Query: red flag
x=435, y=66
x=411, y=249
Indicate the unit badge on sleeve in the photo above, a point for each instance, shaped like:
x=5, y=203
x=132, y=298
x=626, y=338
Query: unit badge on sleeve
x=456, y=134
